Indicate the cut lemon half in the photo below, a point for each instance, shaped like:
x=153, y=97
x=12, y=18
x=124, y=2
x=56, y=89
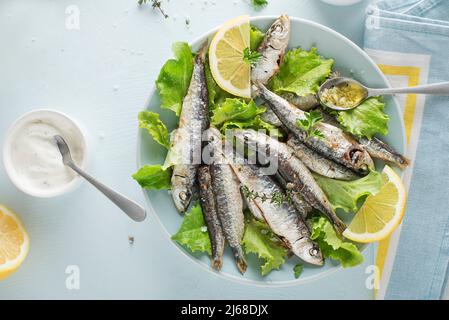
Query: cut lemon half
x=231, y=72
x=382, y=213
x=14, y=243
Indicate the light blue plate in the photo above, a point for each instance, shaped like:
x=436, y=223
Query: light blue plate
x=350, y=60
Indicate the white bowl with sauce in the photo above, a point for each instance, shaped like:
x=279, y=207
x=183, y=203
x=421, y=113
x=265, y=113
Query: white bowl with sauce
x=32, y=159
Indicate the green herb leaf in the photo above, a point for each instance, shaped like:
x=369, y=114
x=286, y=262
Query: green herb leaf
x=312, y=118
x=331, y=245
x=174, y=78
x=301, y=72
x=251, y=57
x=366, y=120
x=193, y=233
x=298, y=270
x=155, y=127
x=255, y=38
x=345, y=194
x=258, y=4
x=260, y=240
x=153, y=177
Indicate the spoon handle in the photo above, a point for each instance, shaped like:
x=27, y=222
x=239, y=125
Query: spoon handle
x=132, y=209
x=441, y=88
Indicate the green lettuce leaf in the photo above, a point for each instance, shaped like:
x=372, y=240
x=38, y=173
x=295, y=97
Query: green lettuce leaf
x=345, y=194
x=193, y=233
x=216, y=94
x=155, y=127
x=236, y=113
x=237, y=110
x=257, y=123
x=301, y=72
x=331, y=245
x=174, y=77
x=298, y=270
x=255, y=38
x=153, y=177
x=260, y=240
x=366, y=120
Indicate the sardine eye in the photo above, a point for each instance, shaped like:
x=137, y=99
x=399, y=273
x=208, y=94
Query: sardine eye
x=354, y=155
x=313, y=251
x=183, y=196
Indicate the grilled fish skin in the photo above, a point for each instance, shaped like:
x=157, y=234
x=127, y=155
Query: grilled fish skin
x=194, y=119
x=304, y=103
x=207, y=199
x=380, y=150
x=292, y=170
x=319, y=164
x=228, y=199
x=375, y=147
x=301, y=206
x=283, y=219
x=272, y=50
x=334, y=145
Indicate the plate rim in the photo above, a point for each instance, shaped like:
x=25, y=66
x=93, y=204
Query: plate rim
x=235, y=278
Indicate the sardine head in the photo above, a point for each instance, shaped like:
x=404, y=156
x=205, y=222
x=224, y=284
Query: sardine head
x=181, y=198
x=308, y=251
x=361, y=159
x=279, y=32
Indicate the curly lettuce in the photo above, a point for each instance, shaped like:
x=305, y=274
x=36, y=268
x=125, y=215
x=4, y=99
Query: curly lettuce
x=255, y=38
x=260, y=240
x=174, y=78
x=366, y=120
x=331, y=245
x=236, y=113
x=156, y=128
x=345, y=194
x=193, y=233
x=301, y=72
x=153, y=177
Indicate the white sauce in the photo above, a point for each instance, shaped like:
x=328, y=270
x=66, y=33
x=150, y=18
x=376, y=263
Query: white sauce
x=35, y=157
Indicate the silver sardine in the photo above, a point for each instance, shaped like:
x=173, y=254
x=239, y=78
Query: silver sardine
x=272, y=50
x=292, y=170
x=335, y=144
x=207, y=199
x=194, y=119
x=319, y=164
x=282, y=218
x=228, y=199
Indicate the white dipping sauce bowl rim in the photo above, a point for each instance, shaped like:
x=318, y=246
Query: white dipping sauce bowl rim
x=11, y=172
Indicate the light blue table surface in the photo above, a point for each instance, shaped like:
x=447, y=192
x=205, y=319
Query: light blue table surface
x=101, y=75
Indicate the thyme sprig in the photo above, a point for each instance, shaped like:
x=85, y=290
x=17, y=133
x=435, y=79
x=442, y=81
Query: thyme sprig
x=155, y=4
x=276, y=197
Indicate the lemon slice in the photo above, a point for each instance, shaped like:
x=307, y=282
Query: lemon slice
x=382, y=213
x=14, y=243
x=228, y=68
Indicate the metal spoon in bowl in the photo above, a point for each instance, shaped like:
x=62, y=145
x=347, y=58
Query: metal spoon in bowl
x=132, y=209
x=441, y=88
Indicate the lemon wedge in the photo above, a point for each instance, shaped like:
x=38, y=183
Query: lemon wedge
x=14, y=243
x=382, y=213
x=231, y=72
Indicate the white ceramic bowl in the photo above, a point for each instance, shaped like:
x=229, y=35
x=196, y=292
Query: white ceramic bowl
x=349, y=59
x=34, y=115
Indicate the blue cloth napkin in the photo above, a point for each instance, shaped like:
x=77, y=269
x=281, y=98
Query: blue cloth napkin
x=410, y=40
